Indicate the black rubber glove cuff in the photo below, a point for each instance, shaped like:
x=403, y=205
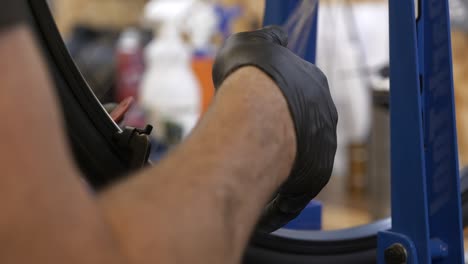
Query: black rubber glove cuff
x=314, y=115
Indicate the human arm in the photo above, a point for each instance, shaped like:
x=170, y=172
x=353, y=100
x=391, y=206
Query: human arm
x=78, y=230
x=278, y=123
x=220, y=177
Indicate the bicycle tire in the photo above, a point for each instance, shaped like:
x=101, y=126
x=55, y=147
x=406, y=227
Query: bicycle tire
x=92, y=134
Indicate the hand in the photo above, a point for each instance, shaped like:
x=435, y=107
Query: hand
x=313, y=112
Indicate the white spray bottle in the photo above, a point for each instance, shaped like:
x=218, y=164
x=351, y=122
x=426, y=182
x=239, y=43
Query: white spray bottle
x=170, y=92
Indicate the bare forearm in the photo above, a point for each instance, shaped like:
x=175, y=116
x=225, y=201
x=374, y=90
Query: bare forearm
x=201, y=203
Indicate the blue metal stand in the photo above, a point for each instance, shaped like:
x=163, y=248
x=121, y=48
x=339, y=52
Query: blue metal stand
x=277, y=12
x=309, y=219
x=426, y=208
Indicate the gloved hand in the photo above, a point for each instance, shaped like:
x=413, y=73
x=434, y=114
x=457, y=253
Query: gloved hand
x=313, y=112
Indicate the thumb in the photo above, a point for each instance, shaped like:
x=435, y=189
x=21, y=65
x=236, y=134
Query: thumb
x=275, y=34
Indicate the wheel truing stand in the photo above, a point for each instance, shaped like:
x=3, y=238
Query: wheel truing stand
x=426, y=207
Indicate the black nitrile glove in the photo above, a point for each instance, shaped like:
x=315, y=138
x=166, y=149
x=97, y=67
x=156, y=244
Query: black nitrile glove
x=306, y=90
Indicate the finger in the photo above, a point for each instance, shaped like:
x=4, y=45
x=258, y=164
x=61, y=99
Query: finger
x=273, y=218
x=281, y=211
x=271, y=34
x=277, y=35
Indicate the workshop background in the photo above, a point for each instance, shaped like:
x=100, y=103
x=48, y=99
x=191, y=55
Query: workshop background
x=111, y=42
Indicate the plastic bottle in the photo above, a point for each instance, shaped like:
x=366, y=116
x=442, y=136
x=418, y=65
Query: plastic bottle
x=170, y=92
x=201, y=25
x=130, y=68
x=130, y=64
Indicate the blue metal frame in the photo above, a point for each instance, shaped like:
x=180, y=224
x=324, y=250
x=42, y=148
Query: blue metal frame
x=277, y=12
x=426, y=207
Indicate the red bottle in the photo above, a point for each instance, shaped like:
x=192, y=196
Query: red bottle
x=130, y=64
x=130, y=69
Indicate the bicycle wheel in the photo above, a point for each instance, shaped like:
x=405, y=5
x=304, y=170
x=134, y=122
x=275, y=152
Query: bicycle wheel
x=103, y=158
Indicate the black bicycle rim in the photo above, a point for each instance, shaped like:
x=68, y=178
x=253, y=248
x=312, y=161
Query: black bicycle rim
x=91, y=132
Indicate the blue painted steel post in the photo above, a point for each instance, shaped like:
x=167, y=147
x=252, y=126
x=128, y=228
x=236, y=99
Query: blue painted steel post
x=440, y=138
x=426, y=208
x=277, y=12
x=408, y=182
